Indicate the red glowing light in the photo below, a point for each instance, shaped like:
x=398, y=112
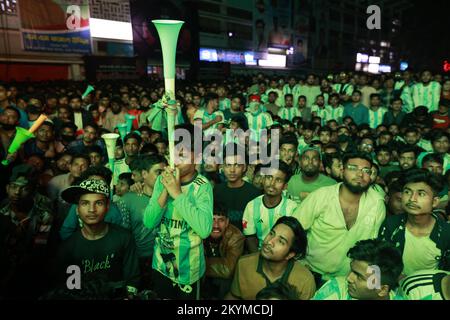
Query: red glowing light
x=446, y=66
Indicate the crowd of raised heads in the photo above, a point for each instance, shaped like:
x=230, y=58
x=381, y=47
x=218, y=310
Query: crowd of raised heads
x=339, y=189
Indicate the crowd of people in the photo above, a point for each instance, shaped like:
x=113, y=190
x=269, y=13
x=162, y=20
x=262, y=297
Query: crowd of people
x=355, y=207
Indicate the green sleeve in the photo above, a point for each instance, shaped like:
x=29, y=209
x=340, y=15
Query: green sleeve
x=197, y=210
x=153, y=212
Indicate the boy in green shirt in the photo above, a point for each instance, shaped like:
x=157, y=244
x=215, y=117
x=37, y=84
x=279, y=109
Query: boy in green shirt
x=181, y=208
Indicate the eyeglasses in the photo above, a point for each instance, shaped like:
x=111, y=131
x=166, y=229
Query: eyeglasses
x=354, y=168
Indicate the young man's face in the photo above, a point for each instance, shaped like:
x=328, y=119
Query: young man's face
x=17, y=193
x=131, y=147
x=384, y=139
x=63, y=163
x=356, y=97
x=287, y=153
x=320, y=101
x=277, y=244
x=234, y=168
x=383, y=158
x=220, y=225
x=185, y=162
x=75, y=104
x=308, y=134
x=441, y=145
x=418, y=198
x=150, y=176
x=310, y=163
x=96, y=159
x=122, y=187
x=366, y=146
x=356, y=175
x=426, y=77
x=136, y=176
x=236, y=104
x=394, y=130
x=162, y=148
x=89, y=135
x=274, y=183
x=325, y=137
x=375, y=102
x=407, y=160
x=395, y=203
x=92, y=208
x=412, y=138
x=434, y=167
x=301, y=103
x=258, y=180
x=397, y=106
x=45, y=134
x=78, y=166
x=336, y=170
x=272, y=97
x=289, y=102
x=358, y=280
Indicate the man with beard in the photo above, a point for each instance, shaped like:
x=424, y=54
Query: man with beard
x=338, y=216
x=114, y=115
x=413, y=137
x=288, y=151
x=223, y=249
x=319, y=110
x=310, y=178
x=89, y=139
x=9, y=119
x=357, y=284
x=440, y=142
x=261, y=213
x=421, y=236
x=275, y=262
x=43, y=144
x=28, y=223
x=426, y=93
x=407, y=158
x=66, y=135
x=332, y=164
x=81, y=116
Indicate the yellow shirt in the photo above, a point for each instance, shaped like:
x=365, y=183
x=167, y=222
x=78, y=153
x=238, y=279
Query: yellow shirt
x=328, y=237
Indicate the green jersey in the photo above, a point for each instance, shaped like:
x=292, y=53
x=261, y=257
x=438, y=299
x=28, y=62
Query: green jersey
x=181, y=226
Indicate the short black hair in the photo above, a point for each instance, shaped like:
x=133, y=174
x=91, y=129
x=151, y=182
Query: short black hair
x=289, y=139
x=234, y=149
x=80, y=156
x=380, y=253
x=278, y=290
x=15, y=110
x=126, y=176
x=407, y=149
x=437, y=134
x=384, y=148
x=433, y=157
x=94, y=149
x=300, y=242
x=328, y=159
x=356, y=155
x=425, y=176
x=132, y=135
x=210, y=96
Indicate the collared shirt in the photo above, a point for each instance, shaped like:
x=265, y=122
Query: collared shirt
x=328, y=237
x=249, y=278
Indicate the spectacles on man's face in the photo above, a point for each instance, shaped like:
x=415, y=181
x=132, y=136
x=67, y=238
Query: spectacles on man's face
x=355, y=168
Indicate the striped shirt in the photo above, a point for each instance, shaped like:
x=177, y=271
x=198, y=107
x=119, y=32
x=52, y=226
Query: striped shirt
x=295, y=91
x=337, y=289
x=345, y=88
x=206, y=117
x=259, y=220
x=376, y=117
x=423, y=285
x=427, y=96
x=323, y=113
x=406, y=95
x=289, y=113
x=335, y=113
x=258, y=121
x=181, y=226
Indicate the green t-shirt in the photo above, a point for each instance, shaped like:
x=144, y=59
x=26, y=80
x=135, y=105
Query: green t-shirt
x=181, y=227
x=297, y=188
x=144, y=237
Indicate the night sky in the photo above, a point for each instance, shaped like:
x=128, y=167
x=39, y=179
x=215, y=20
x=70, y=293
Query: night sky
x=426, y=30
